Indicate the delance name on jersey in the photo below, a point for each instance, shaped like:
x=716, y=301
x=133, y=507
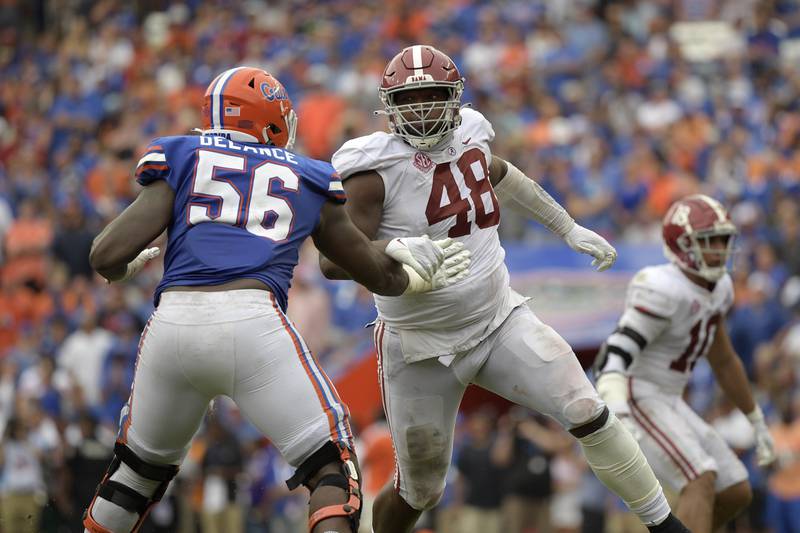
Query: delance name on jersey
x=220, y=141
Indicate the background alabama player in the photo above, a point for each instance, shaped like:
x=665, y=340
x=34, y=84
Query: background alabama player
x=434, y=174
x=237, y=205
x=674, y=314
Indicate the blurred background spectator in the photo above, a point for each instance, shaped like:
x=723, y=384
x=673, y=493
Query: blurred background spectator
x=22, y=490
x=618, y=106
x=480, y=472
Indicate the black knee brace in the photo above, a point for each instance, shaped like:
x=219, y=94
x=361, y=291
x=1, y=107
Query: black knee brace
x=348, y=480
x=126, y=497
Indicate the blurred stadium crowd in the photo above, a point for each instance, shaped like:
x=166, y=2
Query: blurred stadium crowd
x=620, y=106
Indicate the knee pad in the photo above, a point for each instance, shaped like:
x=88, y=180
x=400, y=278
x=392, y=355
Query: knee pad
x=583, y=410
x=348, y=479
x=127, y=497
x=426, y=468
x=425, y=501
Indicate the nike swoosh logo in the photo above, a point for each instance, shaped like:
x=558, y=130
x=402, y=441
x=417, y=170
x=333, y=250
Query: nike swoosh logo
x=467, y=141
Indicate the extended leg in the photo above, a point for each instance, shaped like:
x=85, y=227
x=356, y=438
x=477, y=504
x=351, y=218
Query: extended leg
x=533, y=366
x=162, y=414
x=620, y=465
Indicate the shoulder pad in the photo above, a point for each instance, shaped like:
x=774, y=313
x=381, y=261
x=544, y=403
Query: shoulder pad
x=475, y=125
x=153, y=164
x=727, y=292
x=649, y=293
x=371, y=152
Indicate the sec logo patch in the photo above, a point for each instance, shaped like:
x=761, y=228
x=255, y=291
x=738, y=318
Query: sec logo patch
x=422, y=161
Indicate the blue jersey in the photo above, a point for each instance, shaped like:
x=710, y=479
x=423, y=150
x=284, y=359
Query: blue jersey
x=241, y=210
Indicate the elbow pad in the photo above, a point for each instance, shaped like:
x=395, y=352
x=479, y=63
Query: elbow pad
x=525, y=197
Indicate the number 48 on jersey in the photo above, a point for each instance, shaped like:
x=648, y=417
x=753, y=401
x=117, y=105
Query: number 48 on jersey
x=445, y=200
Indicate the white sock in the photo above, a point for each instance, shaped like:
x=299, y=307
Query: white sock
x=655, y=511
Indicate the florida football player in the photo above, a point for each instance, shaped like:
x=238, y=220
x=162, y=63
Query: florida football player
x=674, y=315
x=434, y=173
x=237, y=204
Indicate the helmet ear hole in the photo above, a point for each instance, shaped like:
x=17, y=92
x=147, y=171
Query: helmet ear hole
x=273, y=134
x=684, y=244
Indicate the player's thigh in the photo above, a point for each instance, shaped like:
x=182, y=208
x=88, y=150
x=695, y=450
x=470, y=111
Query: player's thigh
x=533, y=366
x=730, y=470
x=670, y=444
x=282, y=389
x=165, y=407
x=421, y=402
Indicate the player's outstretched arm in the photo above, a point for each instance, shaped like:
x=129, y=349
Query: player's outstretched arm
x=365, y=207
x=523, y=195
x=730, y=374
x=118, y=252
x=400, y=266
x=343, y=244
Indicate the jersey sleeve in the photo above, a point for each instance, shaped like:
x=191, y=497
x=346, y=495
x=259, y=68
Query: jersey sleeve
x=324, y=180
x=648, y=312
x=475, y=125
x=648, y=297
x=153, y=165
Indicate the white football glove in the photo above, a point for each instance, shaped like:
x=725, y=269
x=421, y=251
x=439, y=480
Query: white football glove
x=430, y=265
x=613, y=389
x=421, y=253
x=765, y=446
x=138, y=263
x=586, y=241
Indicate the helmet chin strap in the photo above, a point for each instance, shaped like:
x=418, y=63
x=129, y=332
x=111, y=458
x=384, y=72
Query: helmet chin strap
x=708, y=273
x=439, y=145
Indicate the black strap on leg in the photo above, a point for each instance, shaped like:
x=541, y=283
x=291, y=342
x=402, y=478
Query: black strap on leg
x=124, y=496
x=333, y=480
x=350, y=483
x=128, y=498
x=348, y=480
x=329, y=453
x=591, y=426
x=143, y=468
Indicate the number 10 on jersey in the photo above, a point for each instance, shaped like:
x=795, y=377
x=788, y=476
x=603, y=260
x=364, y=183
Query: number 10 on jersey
x=472, y=166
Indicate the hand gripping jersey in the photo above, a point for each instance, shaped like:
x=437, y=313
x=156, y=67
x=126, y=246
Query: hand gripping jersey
x=440, y=193
x=673, y=320
x=241, y=210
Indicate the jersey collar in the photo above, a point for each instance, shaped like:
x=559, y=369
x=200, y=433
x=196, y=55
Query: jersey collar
x=233, y=135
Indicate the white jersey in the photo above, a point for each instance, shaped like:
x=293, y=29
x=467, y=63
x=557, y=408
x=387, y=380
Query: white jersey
x=677, y=320
x=440, y=193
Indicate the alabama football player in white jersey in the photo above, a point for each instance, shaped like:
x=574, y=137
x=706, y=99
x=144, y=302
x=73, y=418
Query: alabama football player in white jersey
x=434, y=174
x=674, y=315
